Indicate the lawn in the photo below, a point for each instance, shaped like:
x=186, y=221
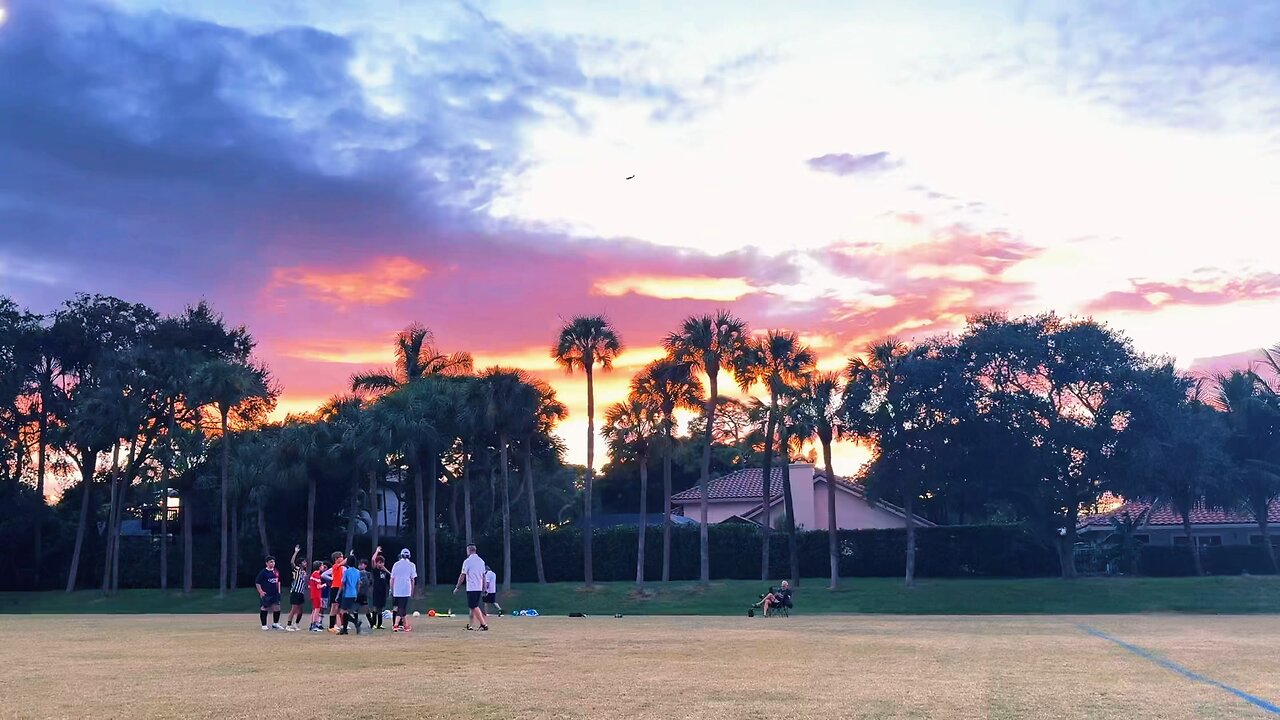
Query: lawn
x=1258, y=594
x=871, y=666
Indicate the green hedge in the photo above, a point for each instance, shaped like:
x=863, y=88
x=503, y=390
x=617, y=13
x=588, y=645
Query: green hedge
x=1164, y=561
x=963, y=551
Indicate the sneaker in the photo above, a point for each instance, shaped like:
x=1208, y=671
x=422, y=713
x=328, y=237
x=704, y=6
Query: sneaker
x=484, y=627
x=468, y=627
x=264, y=627
x=395, y=629
x=342, y=632
x=276, y=626
x=333, y=630
x=406, y=628
x=290, y=628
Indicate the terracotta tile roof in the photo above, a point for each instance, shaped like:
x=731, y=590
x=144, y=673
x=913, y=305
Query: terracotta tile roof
x=745, y=484
x=1165, y=514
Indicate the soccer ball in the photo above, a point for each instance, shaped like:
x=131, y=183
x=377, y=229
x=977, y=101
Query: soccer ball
x=416, y=613
x=431, y=613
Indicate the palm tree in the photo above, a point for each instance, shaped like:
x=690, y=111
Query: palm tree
x=403, y=420
x=669, y=386
x=630, y=427
x=780, y=363
x=511, y=399
x=1253, y=445
x=416, y=357
x=818, y=400
x=226, y=386
x=869, y=410
x=708, y=343
x=549, y=412
x=584, y=341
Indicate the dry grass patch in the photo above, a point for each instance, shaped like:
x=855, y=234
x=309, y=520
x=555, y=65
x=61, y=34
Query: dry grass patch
x=638, y=667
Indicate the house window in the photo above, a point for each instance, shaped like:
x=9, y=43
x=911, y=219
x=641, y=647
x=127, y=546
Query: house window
x=1201, y=540
x=1257, y=540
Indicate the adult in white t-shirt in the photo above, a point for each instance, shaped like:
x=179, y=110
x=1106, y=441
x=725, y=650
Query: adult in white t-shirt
x=473, y=575
x=491, y=591
x=403, y=573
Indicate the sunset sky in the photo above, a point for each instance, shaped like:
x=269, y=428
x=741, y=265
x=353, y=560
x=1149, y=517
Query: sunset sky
x=327, y=172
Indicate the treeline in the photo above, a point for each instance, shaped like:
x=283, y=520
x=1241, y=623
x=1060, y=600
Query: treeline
x=161, y=422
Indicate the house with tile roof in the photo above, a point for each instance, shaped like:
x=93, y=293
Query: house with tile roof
x=737, y=497
x=1163, y=525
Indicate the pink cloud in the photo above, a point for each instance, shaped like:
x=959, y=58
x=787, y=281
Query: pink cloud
x=1207, y=288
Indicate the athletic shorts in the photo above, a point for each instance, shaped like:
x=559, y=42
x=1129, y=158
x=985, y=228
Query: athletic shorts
x=362, y=600
x=335, y=594
x=491, y=598
x=401, y=605
x=473, y=598
x=317, y=602
x=379, y=600
x=348, y=603
x=296, y=598
x=270, y=602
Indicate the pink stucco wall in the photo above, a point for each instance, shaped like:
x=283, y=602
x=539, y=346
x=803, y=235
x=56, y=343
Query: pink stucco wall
x=810, y=498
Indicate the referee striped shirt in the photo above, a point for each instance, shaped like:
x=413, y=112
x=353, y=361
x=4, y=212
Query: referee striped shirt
x=300, y=579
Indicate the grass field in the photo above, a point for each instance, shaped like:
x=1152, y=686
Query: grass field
x=730, y=597
x=218, y=666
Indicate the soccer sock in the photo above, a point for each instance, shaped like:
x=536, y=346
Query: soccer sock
x=333, y=620
x=275, y=617
x=372, y=620
x=263, y=615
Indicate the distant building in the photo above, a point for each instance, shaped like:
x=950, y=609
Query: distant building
x=1163, y=526
x=736, y=497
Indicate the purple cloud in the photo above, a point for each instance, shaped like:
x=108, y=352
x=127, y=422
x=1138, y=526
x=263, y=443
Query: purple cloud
x=846, y=164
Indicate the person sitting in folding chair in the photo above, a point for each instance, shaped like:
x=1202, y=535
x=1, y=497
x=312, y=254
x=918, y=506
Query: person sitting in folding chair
x=776, y=600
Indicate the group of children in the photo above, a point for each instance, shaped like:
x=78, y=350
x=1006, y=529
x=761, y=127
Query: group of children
x=347, y=588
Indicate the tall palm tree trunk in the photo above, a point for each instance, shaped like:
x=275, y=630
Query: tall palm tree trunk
x=833, y=526
x=420, y=521
x=466, y=495
x=222, y=539
x=311, y=515
x=506, y=514
x=766, y=495
x=373, y=511
x=88, y=465
x=588, y=530
x=233, y=576
x=263, y=542
x=113, y=479
x=644, y=496
x=166, y=467
x=534, y=527
x=666, y=510
x=908, y=508
x=1265, y=528
x=793, y=546
x=353, y=511
x=704, y=479
x=115, y=540
x=188, y=546
x=432, y=560
x=41, y=463
x=1192, y=546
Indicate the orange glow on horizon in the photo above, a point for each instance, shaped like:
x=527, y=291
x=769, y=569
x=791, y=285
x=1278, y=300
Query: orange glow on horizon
x=699, y=287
